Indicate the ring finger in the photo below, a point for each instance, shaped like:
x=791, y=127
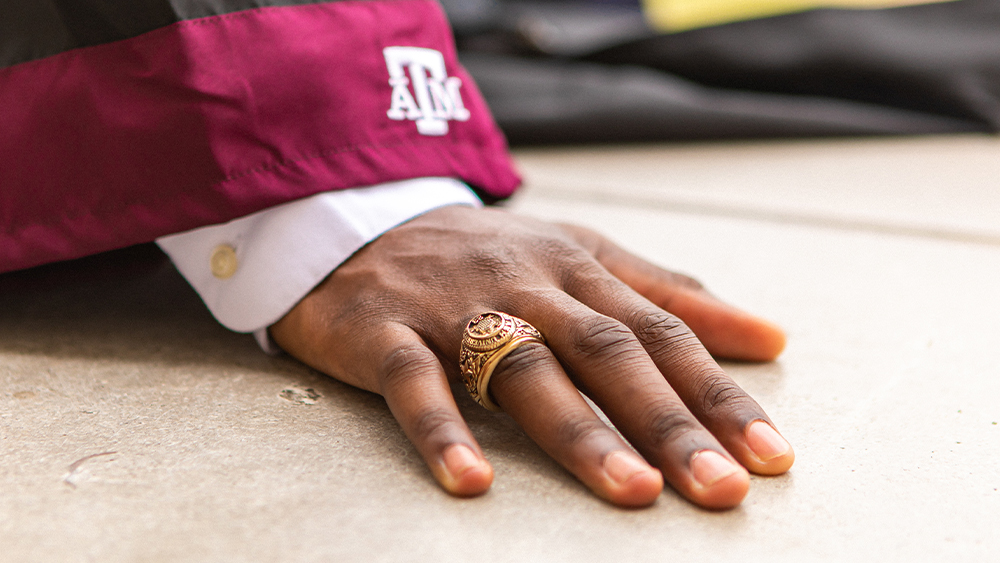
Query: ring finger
x=531, y=386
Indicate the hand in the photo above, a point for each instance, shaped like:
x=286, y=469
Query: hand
x=391, y=318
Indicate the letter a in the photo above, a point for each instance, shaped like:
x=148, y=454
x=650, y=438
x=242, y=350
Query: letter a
x=403, y=105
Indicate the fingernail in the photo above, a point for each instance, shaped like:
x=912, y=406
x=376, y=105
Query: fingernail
x=622, y=466
x=765, y=442
x=458, y=459
x=709, y=467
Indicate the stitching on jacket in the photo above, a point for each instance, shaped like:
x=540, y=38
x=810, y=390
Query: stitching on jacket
x=284, y=163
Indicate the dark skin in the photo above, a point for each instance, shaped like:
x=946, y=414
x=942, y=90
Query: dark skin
x=636, y=339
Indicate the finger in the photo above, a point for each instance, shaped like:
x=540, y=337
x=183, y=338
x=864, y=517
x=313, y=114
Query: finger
x=734, y=417
x=726, y=331
x=532, y=388
x=416, y=389
x=610, y=365
x=394, y=361
x=709, y=393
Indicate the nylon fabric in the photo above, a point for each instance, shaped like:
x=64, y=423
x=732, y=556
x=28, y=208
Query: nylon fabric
x=939, y=59
x=193, y=124
x=35, y=29
x=922, y=69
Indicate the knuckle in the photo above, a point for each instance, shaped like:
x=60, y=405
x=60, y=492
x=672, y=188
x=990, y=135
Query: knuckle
x=518, y=251
x=660, y=332
x=667, y=424
x=581, y=274
x=685, y=281
x=604, y=337
x=555, y=248
x=719, y=392
x=498, y=264
x=522, y=261
x=574, y=431
x=433, y=421
x=588, y=238
x=404, y=363
x=361, y=308
x=653, y=326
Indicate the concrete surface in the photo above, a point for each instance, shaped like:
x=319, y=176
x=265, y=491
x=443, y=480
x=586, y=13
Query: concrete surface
x=133, y=428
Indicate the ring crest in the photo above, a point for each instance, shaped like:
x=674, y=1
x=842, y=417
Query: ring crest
x=489, y=331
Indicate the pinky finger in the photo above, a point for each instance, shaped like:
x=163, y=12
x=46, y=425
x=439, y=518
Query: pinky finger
x=416, y=389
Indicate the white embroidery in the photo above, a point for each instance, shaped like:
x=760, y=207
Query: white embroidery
x=436, y=98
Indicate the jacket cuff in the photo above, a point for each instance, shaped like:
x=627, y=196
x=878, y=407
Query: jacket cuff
x=251, y=271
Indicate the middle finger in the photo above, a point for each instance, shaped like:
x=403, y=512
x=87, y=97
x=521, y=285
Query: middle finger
x=530, y=385
x=709, y=393
x=610, y=365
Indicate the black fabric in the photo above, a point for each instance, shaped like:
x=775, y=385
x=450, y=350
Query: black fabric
x=939, y=58
x=913, y=70
x=92, y=22
x=30, y=29
x=587, y=70
x=35, y=29
x=538, y=101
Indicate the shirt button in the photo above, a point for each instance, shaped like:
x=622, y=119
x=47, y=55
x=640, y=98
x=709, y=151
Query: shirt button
x=223, y=261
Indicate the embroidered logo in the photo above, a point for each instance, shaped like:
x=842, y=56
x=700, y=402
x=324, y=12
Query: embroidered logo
x=435, y=99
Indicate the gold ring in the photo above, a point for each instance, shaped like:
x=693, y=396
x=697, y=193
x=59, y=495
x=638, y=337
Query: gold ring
x=488, y=339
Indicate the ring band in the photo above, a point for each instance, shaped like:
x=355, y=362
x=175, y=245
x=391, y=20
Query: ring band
x=489, y=338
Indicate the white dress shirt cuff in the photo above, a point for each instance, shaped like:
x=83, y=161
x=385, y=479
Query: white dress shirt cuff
x=253, y=270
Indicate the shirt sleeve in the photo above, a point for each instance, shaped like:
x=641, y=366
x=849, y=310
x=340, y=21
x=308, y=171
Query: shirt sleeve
x=251, y=271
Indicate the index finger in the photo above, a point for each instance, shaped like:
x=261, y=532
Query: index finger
x=727, y=411
x=726, y=331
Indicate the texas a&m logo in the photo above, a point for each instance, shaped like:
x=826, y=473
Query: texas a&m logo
x=435, y=99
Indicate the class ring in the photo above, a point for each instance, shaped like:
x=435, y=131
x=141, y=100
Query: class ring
x=487, y=339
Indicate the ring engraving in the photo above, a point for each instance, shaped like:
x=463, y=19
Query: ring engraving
x=488, y=338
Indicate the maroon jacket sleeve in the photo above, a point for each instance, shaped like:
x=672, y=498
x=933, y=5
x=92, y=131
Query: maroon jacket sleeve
x=212, y=118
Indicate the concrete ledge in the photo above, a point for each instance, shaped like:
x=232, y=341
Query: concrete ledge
x=133, y=428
